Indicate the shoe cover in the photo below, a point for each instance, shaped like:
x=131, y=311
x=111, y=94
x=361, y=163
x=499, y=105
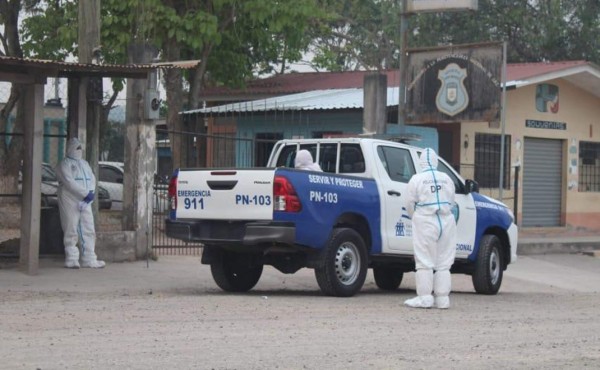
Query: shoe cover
x=71, y=264
x=97, y=264
x=424, y=282
x=442, y=283
x=420, y=302
x=442, y=302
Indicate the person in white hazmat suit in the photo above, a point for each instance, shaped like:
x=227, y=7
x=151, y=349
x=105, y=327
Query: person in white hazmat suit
x=304, y=161
x=429, y=203
x=76, y=185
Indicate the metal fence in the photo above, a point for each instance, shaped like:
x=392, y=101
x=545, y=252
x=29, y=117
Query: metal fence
x=197, y=150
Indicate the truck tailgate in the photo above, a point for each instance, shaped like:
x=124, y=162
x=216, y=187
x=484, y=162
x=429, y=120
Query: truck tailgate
x=225, y=194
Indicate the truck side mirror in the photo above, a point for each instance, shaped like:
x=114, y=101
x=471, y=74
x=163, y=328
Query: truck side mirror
x=472, y=186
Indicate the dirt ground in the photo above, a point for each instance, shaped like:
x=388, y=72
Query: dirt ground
x=171, y=315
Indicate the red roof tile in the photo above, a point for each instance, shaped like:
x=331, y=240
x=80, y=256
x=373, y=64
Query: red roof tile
x=520, y=71
x=300, y=82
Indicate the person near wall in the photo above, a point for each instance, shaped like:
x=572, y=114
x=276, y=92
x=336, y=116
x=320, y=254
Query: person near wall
x=76, y=186
x=304, y=161
x=429, y=203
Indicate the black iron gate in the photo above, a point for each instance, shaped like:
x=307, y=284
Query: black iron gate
x=200, y=151
x=161, y=244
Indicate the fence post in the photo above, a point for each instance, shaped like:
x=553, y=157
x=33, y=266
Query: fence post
x=516, y=197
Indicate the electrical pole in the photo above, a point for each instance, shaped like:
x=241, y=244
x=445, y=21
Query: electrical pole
x=89, y=43
x=403, y=68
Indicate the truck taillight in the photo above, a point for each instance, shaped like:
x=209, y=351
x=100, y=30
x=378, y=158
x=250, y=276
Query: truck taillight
x=173, y=192
x=286, y=198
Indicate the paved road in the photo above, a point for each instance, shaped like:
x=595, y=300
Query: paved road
x=171, y=315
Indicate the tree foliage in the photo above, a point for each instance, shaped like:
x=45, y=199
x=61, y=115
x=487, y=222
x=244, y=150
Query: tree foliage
x=364, y=31
x=233, y=39
x=358, y=34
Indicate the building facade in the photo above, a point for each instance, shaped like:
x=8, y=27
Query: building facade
x=549, y=136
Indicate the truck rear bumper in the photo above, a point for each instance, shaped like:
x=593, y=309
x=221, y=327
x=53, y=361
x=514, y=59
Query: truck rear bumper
x=235, y=232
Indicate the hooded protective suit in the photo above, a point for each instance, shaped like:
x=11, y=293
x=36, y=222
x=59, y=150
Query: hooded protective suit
x=430, y=201
x=304, y=161
x=75, y=194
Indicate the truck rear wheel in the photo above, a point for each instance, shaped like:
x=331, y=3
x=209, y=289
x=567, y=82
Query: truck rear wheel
x=343, y=268
x=387, y=278
x=487, y=277
x=235, y=272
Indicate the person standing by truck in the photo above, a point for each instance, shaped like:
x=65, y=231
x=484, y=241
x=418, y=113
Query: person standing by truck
x=429, y=203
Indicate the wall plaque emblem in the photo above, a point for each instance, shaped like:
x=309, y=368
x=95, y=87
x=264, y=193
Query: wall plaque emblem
x=452, y=97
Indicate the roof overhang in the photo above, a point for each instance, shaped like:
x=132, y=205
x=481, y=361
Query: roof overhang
x=24, y=70
x=586, y=77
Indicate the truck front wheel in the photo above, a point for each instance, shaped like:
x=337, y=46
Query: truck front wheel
x=343, y=268
x=235, y=272
x=387, y=278
x=487, y=277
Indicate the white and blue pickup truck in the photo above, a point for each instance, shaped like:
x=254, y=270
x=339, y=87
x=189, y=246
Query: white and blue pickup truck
x=339, y=222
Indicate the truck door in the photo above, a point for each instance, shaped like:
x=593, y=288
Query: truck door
x=466, y=214
x=395, y=167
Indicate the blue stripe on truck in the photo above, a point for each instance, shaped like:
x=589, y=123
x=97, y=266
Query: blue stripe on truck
x=489, y=214
x=325, y=197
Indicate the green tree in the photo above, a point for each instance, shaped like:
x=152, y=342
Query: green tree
x=233, y=39
x=357, y=34
x=11, y=145
x=365, y=30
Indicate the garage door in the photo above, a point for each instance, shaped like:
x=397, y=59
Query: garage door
x=542, y=182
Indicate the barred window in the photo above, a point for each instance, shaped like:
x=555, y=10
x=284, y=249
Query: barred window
x=487, y=160
x=589, y=166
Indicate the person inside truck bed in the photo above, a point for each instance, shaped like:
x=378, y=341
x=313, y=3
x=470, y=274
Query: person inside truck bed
x=304, y=161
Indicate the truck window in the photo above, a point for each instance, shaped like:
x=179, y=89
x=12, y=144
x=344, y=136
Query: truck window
x=328, y=157
x=458, y=185
x=351, y=159
x=287, y=156
x=397, y=162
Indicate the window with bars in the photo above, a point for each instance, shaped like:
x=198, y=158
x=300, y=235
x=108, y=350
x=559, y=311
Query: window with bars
x=589, y=166
x=487, y=160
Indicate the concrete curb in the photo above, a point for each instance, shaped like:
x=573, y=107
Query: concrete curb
x=587, y=245
x=595, y=253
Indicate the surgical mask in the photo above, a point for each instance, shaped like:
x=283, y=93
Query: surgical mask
x=78, y=153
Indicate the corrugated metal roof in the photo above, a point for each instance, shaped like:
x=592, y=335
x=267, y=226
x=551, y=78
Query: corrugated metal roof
x=581, y=73
x=53, y=68
x=312, y=100
x=291, y=83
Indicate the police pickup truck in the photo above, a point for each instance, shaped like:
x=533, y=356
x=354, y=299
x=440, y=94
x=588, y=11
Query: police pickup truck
x=339, y=222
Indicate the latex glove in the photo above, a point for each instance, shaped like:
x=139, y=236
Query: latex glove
x=81, y=206
x=88, y=198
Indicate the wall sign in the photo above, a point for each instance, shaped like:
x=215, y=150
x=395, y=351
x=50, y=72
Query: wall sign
x=459, y=83
x=440, y=5
x=546, y=98
x=531, y=123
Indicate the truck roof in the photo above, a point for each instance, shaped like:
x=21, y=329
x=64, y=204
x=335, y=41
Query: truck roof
x=347, y=140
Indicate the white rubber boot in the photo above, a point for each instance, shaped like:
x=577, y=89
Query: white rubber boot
x=420, y=302
x=424, y=282
x=97, y=264
x=71, y=264
x=72, y=257
x=442, y=283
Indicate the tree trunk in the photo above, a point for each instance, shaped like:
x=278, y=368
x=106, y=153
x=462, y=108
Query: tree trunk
x=11, y=147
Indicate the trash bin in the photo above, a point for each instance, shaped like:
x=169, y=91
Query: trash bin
x=51, y=234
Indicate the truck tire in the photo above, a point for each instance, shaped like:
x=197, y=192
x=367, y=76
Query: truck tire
x=234, y=273
x=487, y=277
x=387, y=278
x=343, y=268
